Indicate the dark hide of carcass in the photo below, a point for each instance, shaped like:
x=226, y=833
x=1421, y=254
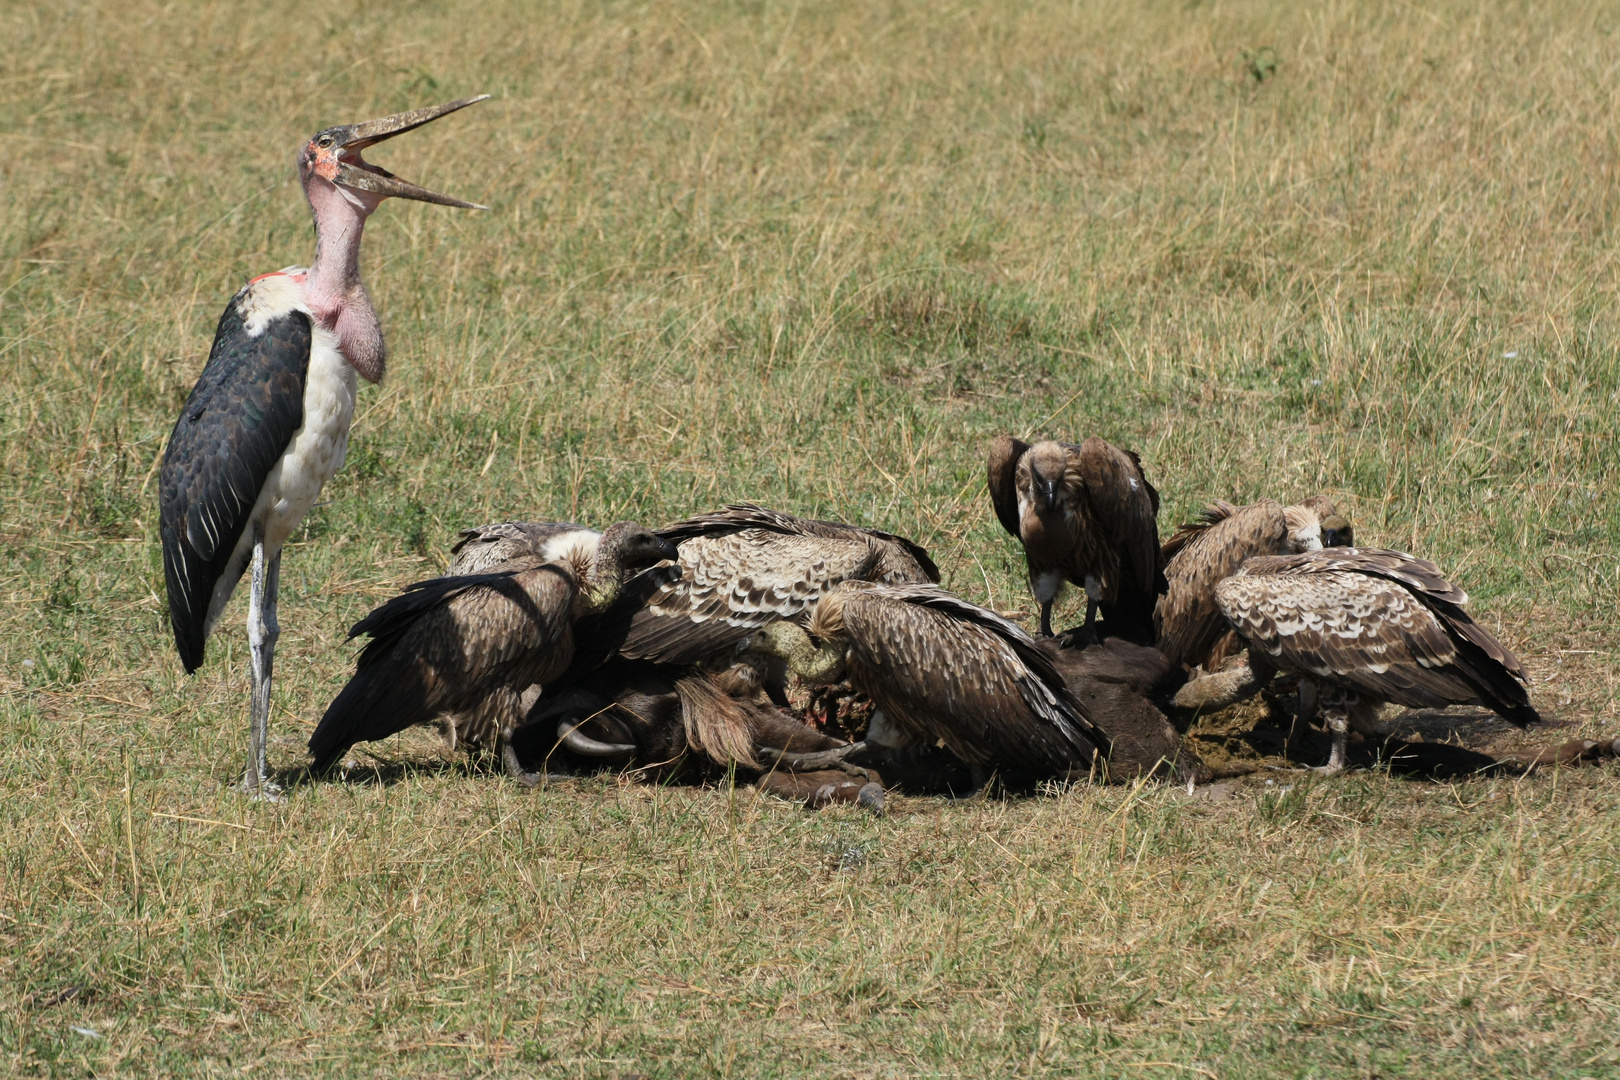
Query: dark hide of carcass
x=1126, y=690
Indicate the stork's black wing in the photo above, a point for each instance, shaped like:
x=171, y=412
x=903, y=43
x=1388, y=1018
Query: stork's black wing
x=238, y=421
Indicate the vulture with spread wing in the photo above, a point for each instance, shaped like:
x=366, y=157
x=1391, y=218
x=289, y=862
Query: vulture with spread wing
x=745, y=567
x=941, y=669
x=1085, y=515
x=466, y=648
x=1362, y=626
x=1190, y=627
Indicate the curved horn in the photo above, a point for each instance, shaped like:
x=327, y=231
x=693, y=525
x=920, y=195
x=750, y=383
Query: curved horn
x=568, y=734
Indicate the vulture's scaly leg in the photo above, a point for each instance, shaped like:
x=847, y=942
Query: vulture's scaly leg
x=1046, y=618
x=1093, y=601
x=1337, y=716
x=263, y=630
x=1304, y=713
x=510, y=707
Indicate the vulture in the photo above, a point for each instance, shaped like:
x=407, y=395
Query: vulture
x=467, y=647
x=488, y=546
x=1085, y=514
x=1362, y=626
x=1190, y=628
x=658, y=719
x=744, y=567
x=940, y=669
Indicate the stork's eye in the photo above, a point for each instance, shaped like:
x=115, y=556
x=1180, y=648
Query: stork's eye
x=324, y=142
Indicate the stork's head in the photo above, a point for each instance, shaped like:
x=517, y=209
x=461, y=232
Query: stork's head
x=1048, y=464
x=331, y=162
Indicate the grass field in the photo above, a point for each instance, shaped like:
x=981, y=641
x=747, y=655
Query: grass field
x=814, y=255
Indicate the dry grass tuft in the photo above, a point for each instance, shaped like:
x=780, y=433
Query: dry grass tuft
x=815, y=256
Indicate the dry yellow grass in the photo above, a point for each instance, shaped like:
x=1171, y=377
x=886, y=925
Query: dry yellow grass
x=814, y=255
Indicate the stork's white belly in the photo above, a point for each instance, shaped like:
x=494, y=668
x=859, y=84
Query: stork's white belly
x=316, y=450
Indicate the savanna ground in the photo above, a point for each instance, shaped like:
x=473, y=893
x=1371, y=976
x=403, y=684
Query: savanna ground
x=813, y=255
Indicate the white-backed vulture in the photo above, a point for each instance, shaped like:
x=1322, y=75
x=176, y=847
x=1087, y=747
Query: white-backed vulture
x=941, y=669
x=1362, y=626
x=467, y=647
x=486, y=547
x=1199, y=554
x=1085, y=515
x=745, y=566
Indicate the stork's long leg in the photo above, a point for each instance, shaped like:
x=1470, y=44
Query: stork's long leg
x=263, y=630
x=1046, y=618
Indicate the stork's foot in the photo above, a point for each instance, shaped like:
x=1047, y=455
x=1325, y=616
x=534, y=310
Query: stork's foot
x=1332, y=768
x=1080, y=637
x=259, y=788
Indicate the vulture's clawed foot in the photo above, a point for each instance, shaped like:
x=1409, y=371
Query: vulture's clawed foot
x=514, y=768
x=1080, y=637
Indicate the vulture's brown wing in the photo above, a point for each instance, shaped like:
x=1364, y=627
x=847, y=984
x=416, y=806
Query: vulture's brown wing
x=444, y=645
x=1215, y=513
x=946, y=669
x=1005, y=452
x=1128, y=508
x=1419, y=575
x=1366, y=628
x=1188, y=621
x=905, y=561
x=734, y=583
x=487, y=547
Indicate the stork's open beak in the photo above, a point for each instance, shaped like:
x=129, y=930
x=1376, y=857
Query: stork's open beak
x=346, y=143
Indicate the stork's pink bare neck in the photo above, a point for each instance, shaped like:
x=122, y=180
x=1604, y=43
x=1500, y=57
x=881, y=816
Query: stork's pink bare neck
x=335, y=294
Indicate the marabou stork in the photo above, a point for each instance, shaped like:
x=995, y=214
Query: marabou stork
x=268, y=422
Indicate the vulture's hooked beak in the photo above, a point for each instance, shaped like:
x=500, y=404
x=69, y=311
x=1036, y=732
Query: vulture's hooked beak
x=337, y=154
x=1048, y=490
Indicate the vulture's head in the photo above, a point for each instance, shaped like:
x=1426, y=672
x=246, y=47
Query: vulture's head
x=1041, y=474
x=627, y=547
x=1304, y=529
x=1337, y=531
x=816, y=660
